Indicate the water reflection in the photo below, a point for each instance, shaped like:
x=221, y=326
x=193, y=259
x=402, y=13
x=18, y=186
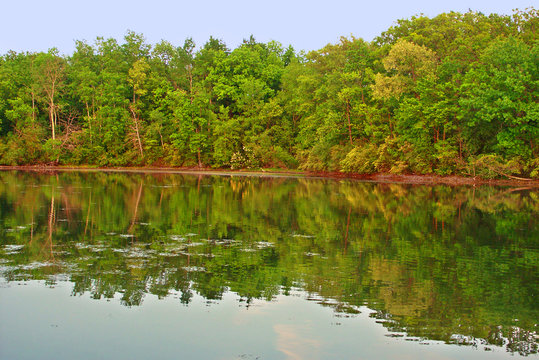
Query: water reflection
x=458, y=265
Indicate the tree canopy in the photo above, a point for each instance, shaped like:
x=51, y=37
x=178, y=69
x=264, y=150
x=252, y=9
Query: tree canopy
x=453, y=94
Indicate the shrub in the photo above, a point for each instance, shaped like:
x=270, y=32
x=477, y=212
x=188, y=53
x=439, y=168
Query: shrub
x=360, y=159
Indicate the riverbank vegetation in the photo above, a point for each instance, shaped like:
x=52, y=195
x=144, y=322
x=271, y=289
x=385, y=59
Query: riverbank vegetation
x=453, y=94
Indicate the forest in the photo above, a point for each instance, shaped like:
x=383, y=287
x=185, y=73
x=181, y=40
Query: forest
x=455, y=94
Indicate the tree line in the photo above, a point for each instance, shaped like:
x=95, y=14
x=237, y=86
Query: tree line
x=453, y=94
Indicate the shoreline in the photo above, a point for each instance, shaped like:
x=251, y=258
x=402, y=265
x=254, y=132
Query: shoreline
x=453, y=180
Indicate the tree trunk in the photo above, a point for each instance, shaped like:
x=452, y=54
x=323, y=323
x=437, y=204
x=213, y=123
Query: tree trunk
x=161, y=137
x=51, y=118
x=136, y=127
x=138, y=137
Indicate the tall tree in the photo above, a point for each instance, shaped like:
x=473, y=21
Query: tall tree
x=137, y=79
x=50, y=78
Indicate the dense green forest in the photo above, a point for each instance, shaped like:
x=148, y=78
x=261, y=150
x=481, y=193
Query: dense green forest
x=453, y=94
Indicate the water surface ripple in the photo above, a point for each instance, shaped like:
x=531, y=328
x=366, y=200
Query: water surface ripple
x=168, y=265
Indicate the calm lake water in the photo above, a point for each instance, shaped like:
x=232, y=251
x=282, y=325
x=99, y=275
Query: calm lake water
x=166, y=266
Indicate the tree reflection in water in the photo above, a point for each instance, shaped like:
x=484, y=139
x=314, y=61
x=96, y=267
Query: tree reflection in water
x=457, y=264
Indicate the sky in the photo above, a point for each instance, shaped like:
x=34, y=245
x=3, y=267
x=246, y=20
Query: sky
x=38, y=25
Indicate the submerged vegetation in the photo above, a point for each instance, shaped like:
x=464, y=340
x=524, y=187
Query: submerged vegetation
x=452, y=94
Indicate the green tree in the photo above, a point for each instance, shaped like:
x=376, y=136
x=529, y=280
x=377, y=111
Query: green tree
x=137, y=79
x=500, y=101
x=50, y=76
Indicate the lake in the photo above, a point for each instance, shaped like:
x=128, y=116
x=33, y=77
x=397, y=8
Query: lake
x=162, y=265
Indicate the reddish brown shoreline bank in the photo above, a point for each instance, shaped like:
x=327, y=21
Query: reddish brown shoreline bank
x=381, y=177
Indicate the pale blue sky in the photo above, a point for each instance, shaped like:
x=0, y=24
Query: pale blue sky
x=37, y=25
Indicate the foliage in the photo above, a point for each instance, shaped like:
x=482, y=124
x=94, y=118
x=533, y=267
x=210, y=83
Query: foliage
x=429, y=95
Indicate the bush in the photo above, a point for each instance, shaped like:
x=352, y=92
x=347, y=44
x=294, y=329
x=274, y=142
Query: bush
x=389, y=157
x=532, y=168
x=447, y=157
x=24, y=147
x=315, y=159
x=491, y=166
x=52, y=149
x=247, y=158
x=360, y=159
